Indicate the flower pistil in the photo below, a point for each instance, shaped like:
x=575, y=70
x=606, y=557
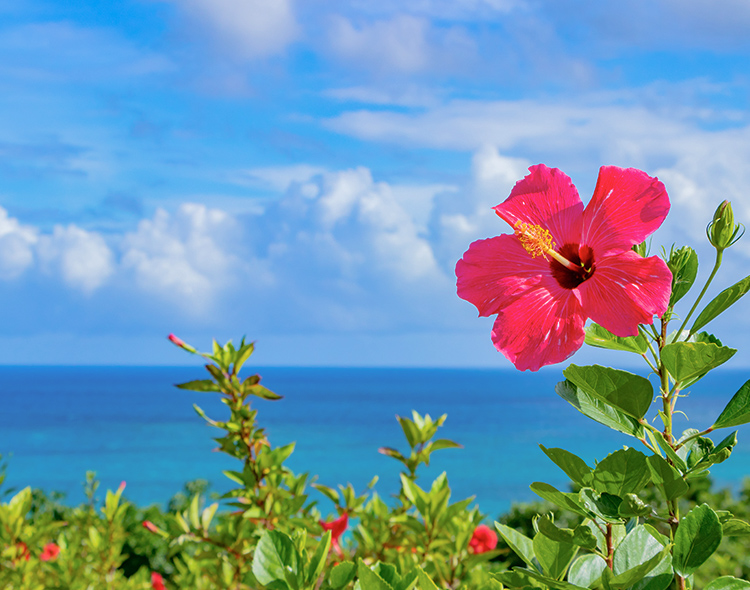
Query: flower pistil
x=537, y=241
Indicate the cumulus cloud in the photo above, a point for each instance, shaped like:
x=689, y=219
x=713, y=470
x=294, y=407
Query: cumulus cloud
x=82, y=258
x=247, y=29
x=17, y=244
x=185, y=257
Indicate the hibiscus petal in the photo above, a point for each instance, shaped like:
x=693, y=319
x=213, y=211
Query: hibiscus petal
x=496, y=271
x=628, y=205
x=545, y=197
x=543, y=327
x=626, y=290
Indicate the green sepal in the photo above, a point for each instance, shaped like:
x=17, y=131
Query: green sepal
x=684, y=266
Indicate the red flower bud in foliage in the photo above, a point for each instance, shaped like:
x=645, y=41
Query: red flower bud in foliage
x=337, y=528
x=157, y=582
x=484, y=539
x=50, y=552
x=23, y=551
x=147, y=524
x=178, y=342
x=122, y=485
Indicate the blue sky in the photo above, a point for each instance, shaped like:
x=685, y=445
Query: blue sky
x=308, y=173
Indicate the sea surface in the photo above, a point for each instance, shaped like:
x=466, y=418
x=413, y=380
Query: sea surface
x=131, y=424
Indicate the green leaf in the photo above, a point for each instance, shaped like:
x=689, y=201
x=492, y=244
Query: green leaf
x=369, y=580
x=205, y=385
x=622, y=472
x=600, y=337
x=721, y=302
x=318, y=560
x=563, y=500
x=626, y=392
x=581, y=536
x=635, y=549
x=718, y=454
x=553, y=556
x=275, y=557
x=666, y=477
x=677, y=461
x=410, y=430
x=632, y=506
x=698, y=536
x=604, y=505
x=734, y=527
x=630, y=577
x=684, y=266
x=573, y=466
x=444, y=443
x=728, y=583
x=689, y=361
x=425, y=581
x=342, y=574
x=518, y=542
x=548, y=581
x=598, y=410
x=586, y=570
x=737, y=411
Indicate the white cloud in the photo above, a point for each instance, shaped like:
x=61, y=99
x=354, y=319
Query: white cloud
x=400, y=43
x=247, y=29
x=185, y=258
x=16, y=246
x=82, y=258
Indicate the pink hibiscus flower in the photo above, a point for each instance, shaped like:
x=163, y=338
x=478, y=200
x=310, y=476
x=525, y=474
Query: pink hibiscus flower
x=50, y=552
x=482, y=540
x=564, y=264
x=337, y=528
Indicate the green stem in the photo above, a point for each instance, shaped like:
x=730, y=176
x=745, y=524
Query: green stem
x=717, y=264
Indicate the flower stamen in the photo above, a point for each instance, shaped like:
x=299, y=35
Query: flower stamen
x=537, y=241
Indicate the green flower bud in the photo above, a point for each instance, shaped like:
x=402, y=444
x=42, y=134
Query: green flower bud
x=722, y=231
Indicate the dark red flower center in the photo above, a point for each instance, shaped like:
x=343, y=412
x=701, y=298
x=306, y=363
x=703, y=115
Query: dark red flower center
x=582, y=256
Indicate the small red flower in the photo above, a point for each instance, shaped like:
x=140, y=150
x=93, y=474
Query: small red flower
x=157, y=582
x=565, y=263
x=337, y=528
x=484, y=539
x=147, y=524
x=50, y=552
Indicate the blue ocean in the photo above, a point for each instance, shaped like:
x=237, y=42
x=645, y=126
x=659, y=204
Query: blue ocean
x=132, y=424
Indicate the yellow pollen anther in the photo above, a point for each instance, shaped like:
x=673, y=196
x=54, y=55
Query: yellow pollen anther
x=536, y=240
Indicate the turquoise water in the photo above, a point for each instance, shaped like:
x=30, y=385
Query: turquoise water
x=130, y=423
